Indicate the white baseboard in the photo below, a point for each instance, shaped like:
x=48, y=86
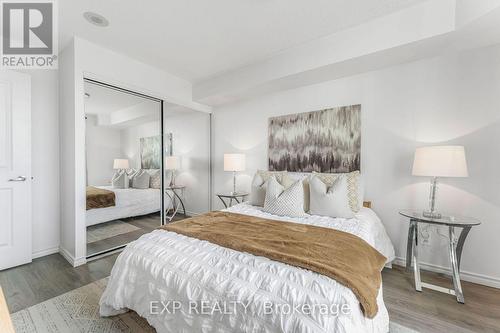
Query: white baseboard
x=46, y=252
x=484, y=280
x=75, y=262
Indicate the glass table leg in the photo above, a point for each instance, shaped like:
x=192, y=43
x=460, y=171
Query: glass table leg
x=454, y=266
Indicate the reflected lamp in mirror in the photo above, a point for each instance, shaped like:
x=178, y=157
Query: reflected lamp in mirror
x=234, y=163
x=172, y=163
x=120, y=164
x=439, y=161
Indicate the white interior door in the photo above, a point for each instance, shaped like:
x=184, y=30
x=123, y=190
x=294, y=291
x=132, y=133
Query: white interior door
x=15, y=169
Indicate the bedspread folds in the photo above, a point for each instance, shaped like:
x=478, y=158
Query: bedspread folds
x=341, y=256
x=100, y=198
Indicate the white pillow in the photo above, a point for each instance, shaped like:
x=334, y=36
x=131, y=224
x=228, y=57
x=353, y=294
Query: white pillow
x=120, y=180
x=258, y=187
x=155, y=179
x=141, y=179
x=284, y=201
x=330, y=200
x=131, y=173
x=355, y=190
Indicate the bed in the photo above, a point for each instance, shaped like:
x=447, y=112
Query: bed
x=129, y=202
x=165, y=266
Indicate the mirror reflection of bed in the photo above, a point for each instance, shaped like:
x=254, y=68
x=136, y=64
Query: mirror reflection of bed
x=123, y=157
x=124, y=161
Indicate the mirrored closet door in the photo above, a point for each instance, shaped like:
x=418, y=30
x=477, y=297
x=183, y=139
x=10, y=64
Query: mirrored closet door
x=187, y=162
x=123, y=166
x=130, y=139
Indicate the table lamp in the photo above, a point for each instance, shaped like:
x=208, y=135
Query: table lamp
x=439, y=161
x=120, y=164
x=172, y=163
x=234, y=163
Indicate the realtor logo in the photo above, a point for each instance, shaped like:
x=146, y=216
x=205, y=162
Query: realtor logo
x=29, y=38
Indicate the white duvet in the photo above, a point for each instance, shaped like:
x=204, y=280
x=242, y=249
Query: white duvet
x=129, y=202
x=236, y=291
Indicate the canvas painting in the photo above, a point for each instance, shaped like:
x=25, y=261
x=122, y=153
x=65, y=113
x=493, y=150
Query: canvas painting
x=323, y=141
x=151, y=150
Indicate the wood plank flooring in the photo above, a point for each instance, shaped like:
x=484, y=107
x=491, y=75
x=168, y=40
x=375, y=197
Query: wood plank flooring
x=429, y=311
x=146, y=223
x=432, y=311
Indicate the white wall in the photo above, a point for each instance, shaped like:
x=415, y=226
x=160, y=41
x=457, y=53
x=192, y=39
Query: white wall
x=450, y=99
x=130, y=138
x=67, y=121
x=103, y=145
x=191, y=142
x=84, y=59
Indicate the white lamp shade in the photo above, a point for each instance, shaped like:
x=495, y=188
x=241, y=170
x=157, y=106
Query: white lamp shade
x=172, y=162
x=440, y=161
x=120, y=163
x=234, y=162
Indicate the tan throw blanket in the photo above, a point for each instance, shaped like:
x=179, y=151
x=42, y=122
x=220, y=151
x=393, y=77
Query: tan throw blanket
x=339, y=255
x=99, y=198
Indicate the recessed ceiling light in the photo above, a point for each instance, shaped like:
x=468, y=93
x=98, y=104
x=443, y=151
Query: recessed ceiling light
x=96, y=19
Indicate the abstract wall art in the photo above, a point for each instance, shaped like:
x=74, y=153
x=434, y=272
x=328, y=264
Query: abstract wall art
x=328, y=140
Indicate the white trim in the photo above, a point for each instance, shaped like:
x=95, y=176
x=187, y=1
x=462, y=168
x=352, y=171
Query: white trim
x=75, y=262
x=482, y=279
x=46, y=252
x=100, y=256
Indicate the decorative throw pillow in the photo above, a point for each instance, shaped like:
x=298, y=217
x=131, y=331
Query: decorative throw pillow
x=258, y=187
x=131, y=173
x=120, y=180
x=155, y=179
x=141, y=180
x=284, y=201
x=330, y=200
x=354, y=186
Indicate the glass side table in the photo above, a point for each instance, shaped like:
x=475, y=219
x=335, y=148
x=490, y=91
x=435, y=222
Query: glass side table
x=176, y=195
x=238, y=197
x=454, y=250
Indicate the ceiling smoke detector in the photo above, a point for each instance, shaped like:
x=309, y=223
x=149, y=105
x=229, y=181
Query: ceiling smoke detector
x=96, y=19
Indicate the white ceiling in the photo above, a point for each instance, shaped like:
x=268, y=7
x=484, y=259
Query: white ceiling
x=197, y=39
x=104, y=101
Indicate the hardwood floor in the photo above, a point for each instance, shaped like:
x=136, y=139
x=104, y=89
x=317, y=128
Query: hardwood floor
x=429, y=311
x=432, y=311
x=48, y=277
x=146, y=223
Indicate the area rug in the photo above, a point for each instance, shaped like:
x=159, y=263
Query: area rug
x=78, y=311
x=107, y=230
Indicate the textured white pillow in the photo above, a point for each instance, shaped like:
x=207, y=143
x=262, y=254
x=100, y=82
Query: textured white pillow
x=355, y=190
x=330, y=201
x=141, y=179
x=155, y=178
x=120, y=180
x=131, y=173
x=284, y=201
x=258, y=187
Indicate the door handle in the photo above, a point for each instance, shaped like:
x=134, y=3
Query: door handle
x=18, y=179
